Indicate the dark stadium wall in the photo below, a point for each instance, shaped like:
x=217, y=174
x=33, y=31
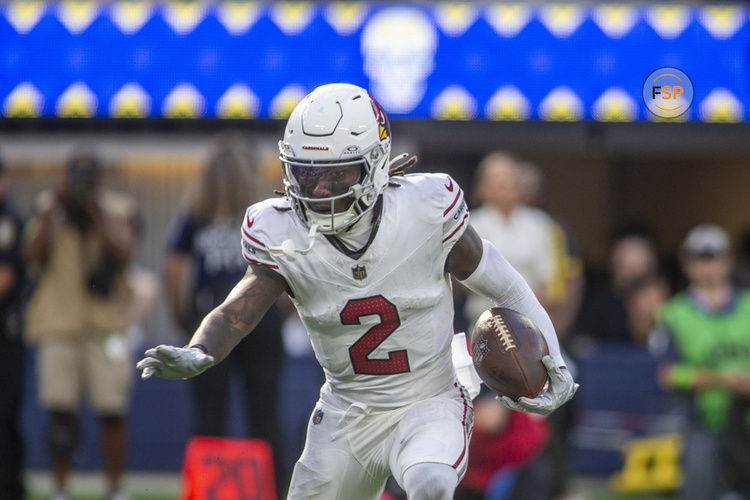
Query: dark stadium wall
x=592, y=189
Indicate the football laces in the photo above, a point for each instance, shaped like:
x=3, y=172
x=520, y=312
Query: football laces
x=503, y=333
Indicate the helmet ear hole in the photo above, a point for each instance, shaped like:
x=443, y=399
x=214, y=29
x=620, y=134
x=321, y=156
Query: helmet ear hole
x=375, y=154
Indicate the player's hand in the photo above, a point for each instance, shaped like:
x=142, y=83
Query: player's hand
x=560, y=389
x=174, y=363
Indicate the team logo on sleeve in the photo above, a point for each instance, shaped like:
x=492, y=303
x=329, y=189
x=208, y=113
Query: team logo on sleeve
x=359, y=272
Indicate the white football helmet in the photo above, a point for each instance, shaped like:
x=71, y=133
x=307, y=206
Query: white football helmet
x=336, y=145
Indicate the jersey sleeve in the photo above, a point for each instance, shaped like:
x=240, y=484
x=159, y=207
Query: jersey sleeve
x=454, y=214
x=254, y=249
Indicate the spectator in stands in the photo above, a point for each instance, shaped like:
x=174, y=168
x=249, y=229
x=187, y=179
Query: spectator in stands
x=543, y=251
x=521, y=233
x=742, y=269
x=563, y=293
x=737, y=443
x=603, y=315
x=300, y=384
x=643, y=299
x=12, y=352
x=79, y=247
x=709, y=356
x=564, y=290
x=505, y=461
x=203, y=246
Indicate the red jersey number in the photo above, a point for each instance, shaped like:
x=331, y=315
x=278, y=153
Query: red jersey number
x=359, y=352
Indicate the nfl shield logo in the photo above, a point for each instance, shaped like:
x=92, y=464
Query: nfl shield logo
x=479, y=351
x=317, y=416
x=359, y=272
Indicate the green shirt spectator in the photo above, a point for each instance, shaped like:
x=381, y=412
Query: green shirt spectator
x=708, y=341
x=709, y=355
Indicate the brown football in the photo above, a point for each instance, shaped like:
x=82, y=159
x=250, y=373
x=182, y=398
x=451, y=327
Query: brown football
x=507, y=350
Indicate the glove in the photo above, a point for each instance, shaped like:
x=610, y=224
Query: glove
x=560, y=389
x=174, y=363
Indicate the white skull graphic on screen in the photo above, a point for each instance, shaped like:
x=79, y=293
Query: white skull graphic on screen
x=398, y=47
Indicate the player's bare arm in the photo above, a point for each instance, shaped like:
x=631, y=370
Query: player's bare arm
x=465, y=255
x=223, y=328
x=220, y=331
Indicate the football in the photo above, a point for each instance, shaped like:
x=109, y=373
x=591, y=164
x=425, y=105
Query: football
x=507, y=350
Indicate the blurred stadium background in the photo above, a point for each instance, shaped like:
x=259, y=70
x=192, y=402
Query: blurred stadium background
x=151, y=84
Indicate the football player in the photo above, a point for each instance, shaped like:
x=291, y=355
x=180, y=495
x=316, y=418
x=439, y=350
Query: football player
x=366, y=253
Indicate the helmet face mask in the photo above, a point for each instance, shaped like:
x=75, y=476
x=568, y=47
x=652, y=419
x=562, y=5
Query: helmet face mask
x=334, y=154
x=318, y=183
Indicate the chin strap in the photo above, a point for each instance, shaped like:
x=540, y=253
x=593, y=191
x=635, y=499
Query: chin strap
x=287, y=246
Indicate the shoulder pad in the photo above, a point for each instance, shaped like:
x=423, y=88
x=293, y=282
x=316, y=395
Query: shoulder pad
x=265, y=224
x=444, y=200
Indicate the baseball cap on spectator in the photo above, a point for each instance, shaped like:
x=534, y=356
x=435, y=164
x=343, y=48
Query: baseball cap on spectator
x=706, y=239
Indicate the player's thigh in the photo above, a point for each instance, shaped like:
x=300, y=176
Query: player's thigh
x=109, y=374
x=327, y=469
x=59, y=374
x=437, y=430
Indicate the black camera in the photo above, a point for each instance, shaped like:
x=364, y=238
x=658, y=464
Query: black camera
x=84, y=173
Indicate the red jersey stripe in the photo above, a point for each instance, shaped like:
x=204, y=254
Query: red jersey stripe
x=458, y=195
x=253, y=261
x=247, y=235
x=456, y=230
x=463, y=423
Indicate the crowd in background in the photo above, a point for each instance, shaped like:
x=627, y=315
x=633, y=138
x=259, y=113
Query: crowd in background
x=202, y=265
x=68, y=269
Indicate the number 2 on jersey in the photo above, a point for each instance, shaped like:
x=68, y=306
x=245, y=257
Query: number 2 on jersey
x=359, y=352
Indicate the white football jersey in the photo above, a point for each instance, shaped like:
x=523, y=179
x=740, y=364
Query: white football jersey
x=380, y=323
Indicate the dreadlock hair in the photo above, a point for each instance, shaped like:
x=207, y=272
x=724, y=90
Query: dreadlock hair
x=401, y=167
x=281, y=208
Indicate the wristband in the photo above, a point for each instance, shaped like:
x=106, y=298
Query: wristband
x=200, y=347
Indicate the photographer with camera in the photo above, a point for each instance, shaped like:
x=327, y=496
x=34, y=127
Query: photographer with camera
x=78, y=247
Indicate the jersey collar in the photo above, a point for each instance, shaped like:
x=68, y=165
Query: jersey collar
x=356, y=254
